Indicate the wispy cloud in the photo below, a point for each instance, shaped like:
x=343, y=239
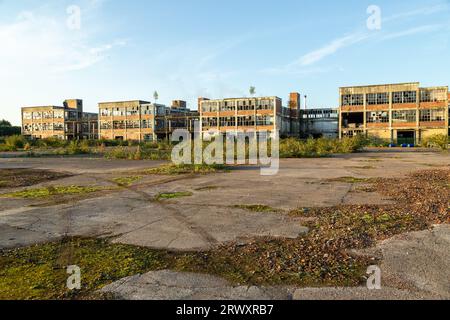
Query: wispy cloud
x=45, y=44
x=420, y=11
x=412, y=31
x=303, y=64
x=329, y=49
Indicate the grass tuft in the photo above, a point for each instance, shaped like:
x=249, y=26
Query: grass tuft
x=127, y=181
x=350, y=180
x=51, y=191
x=173, y=195
x=172, y=169
x=257, y=208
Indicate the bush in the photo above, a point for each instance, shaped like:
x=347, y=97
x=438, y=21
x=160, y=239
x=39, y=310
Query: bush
x=373, y=141
x=51, y=143
x=15, y=142
x=436, y=141
x=138, y=153
x=294, y=148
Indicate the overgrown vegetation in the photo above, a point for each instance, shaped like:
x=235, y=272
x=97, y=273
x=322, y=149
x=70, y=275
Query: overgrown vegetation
x=323, y=257
x=312, y=148
x=127, y=181
x=173, y=169
x=349, y=180
x=173, y=195
x=159, y=151
x=257, y=208
x=50, y=191
x=39, y=272
x=438, y=141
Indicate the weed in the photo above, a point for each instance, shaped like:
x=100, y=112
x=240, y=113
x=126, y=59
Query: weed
x=51, y=191
x=185, y=169
x=173, y=195
x=127, y=181
x=257, y=208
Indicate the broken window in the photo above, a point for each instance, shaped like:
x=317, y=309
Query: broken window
x=431, y=115
x=227, y=121
x=246, y=121
x=404, y=97
x=353, y=120
x=404, y=116
x=227, y=106
x=209, y=122
x=377, y=98
x=378, y=117
x=433, y=95
x=353, y=100
x=264, y=120
x=105, y=125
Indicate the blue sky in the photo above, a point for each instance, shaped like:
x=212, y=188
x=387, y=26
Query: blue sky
x=185, y=49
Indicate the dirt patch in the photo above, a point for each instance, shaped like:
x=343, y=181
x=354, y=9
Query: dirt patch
x=15, y=178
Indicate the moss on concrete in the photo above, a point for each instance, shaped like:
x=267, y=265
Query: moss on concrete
x=46, y=192
x=127, y=181
x=173, y=195
x=257, y=208
x=185, y=169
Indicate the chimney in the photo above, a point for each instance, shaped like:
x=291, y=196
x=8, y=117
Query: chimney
x=294, y=101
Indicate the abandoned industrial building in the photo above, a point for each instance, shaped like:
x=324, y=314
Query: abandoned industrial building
x=402, y=113
x=67, y=122
x=143, y=121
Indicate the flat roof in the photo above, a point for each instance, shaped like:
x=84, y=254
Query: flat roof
x=125, y=101
x=37, y=107
x=383, y=85
x=242, y=98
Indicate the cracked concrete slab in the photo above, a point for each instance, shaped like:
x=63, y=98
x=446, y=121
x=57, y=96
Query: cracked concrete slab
x=415, y=266
x=209, y=216
x=169, y=285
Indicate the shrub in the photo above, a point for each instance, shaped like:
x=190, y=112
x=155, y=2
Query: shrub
x=15, y=142
x=373, y=141
x=294, y=148
x=436, y=141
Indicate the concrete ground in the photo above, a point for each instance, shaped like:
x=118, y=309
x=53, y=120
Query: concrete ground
x=207, y=218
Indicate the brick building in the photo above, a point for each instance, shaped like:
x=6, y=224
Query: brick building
x=401, y=113
x=67, y=122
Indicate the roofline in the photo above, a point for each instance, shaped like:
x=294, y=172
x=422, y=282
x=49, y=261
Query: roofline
x=36, y=107
x=140, y=101
x=242, y=98
x=382, y=85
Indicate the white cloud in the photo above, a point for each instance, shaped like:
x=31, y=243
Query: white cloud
x=44, y=44
x=420, y=11
x=303, y=64
x=411, y=31
x=329, y=49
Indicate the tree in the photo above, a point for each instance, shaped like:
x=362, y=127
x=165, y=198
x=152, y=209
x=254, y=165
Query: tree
x=252, y=91
x=155, y=96
x=6, y=129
